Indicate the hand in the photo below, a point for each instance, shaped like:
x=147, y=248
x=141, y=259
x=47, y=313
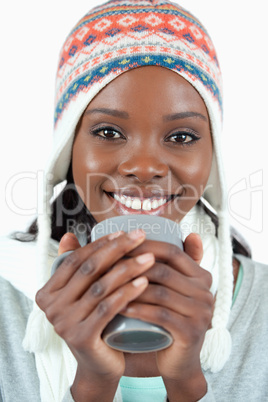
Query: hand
x=178, y=298
x=91, y=286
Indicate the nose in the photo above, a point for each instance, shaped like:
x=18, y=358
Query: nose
x=143, y=167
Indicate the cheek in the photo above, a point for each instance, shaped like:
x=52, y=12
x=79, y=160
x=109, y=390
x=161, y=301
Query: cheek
x=89, y=169
x=193, y=178
x=196, y=172
x=85, y=159
x=89, y=158
x=199, y=173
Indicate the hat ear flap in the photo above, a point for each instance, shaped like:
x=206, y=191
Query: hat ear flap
x=217, y=345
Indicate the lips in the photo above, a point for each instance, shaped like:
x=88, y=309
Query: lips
x=145, y=204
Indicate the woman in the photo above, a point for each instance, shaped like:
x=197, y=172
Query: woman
x=137, y=122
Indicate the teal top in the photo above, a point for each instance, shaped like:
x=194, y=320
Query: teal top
x=152, y=389
x=238, y=283
x=149, y=389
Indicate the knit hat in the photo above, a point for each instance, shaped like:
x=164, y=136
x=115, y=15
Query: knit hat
x=111, y=39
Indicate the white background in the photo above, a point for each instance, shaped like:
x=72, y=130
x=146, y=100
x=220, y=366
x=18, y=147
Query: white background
x=31, y=36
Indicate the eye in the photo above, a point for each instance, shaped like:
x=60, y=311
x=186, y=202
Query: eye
x=106, y=133
x=183, y=138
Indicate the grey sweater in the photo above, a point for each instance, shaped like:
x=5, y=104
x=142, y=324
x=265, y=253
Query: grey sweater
x=244, y=377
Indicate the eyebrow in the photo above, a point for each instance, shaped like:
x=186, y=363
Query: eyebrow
x=110, y=112
x=124, y=115
x=184, y=115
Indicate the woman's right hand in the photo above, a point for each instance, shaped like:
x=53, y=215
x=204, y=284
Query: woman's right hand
x=91, y=286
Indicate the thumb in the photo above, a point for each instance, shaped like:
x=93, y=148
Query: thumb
x=193, y=247
x=68, y=242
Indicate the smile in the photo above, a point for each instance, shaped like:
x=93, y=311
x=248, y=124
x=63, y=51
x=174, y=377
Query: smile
x=142, y=204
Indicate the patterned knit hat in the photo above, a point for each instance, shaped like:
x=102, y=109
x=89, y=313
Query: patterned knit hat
x=111, y=39
x=122, y=35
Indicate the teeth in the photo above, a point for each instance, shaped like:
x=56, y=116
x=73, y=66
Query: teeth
x=155, y=204
x=128, y=202
x=116, y=197
x=136, y=203
x=147, y=205
x=122, y=199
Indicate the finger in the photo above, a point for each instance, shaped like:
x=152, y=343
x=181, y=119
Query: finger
x=164, y=297
x=190, y=287
x=163, y=274
x=96, y=299
x=80, y=305
x=94, y=257
x=72, y=262
x=184, y=305
x=101, y=261
x=191, y=323
x=93, y=321
x=193, y=247
x=123, y=272
x=68, y=242
x=169, y=254
x=108, y=308
x=158, y=315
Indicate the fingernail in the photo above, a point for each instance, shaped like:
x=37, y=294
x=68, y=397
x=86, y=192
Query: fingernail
x=70, y=235
x=136, y=234
x=140, y=282
x=115, y=235
x=145, y=258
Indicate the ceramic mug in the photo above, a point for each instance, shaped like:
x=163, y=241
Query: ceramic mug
x=129, y=334
x=124, y=333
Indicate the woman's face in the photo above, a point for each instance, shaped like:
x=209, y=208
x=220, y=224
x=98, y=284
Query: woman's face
x=143, y=146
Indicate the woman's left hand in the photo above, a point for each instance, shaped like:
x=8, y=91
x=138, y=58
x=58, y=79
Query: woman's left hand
x=179, y=299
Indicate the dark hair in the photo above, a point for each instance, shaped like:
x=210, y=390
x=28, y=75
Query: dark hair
x=239, y=244
x=69, y=207
x=68, y=214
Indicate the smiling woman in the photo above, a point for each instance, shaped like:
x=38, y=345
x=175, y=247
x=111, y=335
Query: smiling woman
x=151, y=152
x=138, y=116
